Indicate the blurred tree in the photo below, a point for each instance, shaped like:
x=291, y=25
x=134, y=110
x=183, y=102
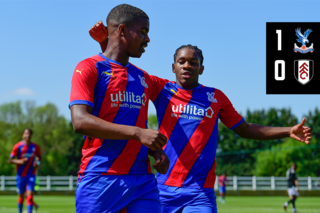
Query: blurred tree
x=61, y=146
x=231, y=159
x=153, y=122
x=51, y=132
x=278, y=159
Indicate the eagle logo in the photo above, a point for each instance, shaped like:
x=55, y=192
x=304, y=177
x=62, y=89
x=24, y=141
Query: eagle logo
x=303, y=39
x=211, y=97
x=143, y=82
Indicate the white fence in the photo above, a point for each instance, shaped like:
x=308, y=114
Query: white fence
x=269, y=183
x=68, y=183
x=46, y=183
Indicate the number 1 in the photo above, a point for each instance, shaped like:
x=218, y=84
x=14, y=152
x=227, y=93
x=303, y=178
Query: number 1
x=279, y=39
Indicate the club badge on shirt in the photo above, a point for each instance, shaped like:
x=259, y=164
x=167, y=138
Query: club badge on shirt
x=211, y=97
x=142, y=80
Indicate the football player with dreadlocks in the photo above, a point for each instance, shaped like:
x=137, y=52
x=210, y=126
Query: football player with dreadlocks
x=188, y=114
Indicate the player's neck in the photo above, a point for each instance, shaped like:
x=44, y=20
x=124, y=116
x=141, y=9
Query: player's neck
x=115, y=52
x=27, y=142
x=187, y=86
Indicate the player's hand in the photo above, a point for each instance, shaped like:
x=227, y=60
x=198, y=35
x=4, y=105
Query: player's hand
x=151, y=139
x=162, y=161
x=301, y=133
x=35, y=164
x=99, y=32
x=24, y=161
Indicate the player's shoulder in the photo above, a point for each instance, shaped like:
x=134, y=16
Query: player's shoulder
x=204, y=87
x=138, y=68
x=88, y=67
x=142, y=72
x=289, y=172
x=35, y=144
x=212, y=90
x=148, y=76
x=91, y=60
x=20, y=143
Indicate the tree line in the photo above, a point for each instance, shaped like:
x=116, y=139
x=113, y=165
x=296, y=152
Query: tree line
x=61, y=146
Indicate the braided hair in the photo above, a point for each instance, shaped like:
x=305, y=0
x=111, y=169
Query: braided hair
x=189, y=46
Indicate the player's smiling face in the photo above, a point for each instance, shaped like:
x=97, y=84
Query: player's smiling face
x=26, y=135
x=187, y=68
x=137, y=37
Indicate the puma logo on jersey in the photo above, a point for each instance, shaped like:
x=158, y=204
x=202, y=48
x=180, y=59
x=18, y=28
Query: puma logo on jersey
x=109, y=73
x=176, y=93
x=79, y=71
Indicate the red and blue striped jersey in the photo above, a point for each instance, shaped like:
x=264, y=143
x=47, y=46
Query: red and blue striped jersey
x=22, y=150
x=189, y=119
x=118, y=94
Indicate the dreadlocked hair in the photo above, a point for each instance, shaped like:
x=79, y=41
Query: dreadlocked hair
x=189, y=46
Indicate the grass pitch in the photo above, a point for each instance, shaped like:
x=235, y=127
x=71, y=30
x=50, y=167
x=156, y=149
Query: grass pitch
x=234, y=204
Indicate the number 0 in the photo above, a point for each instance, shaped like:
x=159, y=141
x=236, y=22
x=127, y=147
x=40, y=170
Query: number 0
x=279, y=39
x=282, y=70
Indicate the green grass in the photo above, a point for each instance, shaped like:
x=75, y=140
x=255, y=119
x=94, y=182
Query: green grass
x=234, y=204
x=264, y=204
x=48, y=204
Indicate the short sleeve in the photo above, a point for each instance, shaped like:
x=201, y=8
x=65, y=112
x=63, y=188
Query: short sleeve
x=84, y=79
x=157, y=84
x=14, y=152
x=38, y=153
x=228, y=115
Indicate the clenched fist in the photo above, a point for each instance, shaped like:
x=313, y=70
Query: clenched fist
x=151, y=139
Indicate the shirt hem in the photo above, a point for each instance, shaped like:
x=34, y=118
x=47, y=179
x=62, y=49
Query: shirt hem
x=83, y=102
x=236, y=125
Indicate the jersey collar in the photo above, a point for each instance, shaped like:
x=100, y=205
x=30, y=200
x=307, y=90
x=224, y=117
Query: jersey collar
x=195, y=88
x=112, y=61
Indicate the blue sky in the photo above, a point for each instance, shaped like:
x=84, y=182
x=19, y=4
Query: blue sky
x=41, y=42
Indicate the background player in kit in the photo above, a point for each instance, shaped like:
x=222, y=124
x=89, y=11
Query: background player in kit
x=188, y=115
x=109, y=105
x=223, y=181
x=293, y=193
x=26, y=153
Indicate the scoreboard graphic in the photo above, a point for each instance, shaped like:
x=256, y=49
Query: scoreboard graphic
x=293, y=57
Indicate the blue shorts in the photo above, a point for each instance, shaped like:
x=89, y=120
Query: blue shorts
x=222, y=189
x=113, y=193
x=25, y=183
x=183, y=199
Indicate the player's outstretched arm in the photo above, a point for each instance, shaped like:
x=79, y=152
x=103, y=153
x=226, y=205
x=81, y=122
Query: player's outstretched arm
x=85, y=123
x=298, y=132
x=18, y=161
x=162, y=160
x=99, y=33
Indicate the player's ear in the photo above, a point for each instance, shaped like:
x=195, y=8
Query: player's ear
x=201, y=70
x=122, y=29
x=173, y=68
